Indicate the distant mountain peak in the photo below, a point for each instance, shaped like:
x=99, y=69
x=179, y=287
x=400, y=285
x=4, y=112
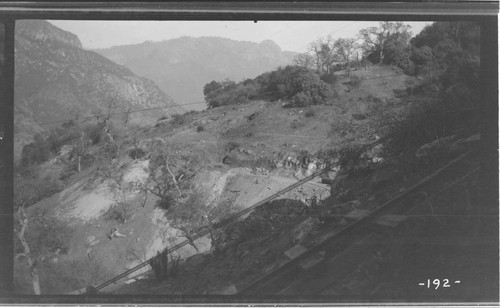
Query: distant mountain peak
x=43, y=30
x=182, y=66
x=270, y=44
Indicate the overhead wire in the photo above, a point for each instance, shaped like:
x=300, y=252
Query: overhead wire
x=105, y=114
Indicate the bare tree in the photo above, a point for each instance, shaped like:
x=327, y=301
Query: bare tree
x=126, y=117
x=168, y=177
x=305, y=60
x=23, y=196
x=376, y=39
x=324, y=53
x=80, y=147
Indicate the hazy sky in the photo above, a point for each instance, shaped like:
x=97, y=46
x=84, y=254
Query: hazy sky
x=289, y=35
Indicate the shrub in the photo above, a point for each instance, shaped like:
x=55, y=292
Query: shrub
x=94, y=132
x=301, y=99
x=426, y=121
x=298, y=84
x=49, y=235
x=354, y=80
x=136, y=153
x=302, y=86
x=87, y=160
x=231, y=145
x=33, y=189
x=329, y=78
x=120, y=213
x=220, y=93
x=165, y=202
x=295, y=124
x=200, y=128
x=178, y=120
x=110, y=150
x=309, y=113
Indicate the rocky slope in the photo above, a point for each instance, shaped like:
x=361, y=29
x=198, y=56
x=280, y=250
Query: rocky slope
x=180, y=65
x=56, y=79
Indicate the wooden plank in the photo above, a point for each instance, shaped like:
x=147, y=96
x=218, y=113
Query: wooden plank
x=357, y=214
x=295, y=251
x=310, y=262
x=390, y=220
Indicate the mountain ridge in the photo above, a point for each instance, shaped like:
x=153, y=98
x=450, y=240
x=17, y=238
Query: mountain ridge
x=182, y=64
x=56, y=79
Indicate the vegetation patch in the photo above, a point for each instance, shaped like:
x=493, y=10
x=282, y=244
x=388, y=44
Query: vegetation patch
x=297, y=85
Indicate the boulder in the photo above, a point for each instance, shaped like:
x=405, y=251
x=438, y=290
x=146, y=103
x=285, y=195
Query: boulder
x=311, y=168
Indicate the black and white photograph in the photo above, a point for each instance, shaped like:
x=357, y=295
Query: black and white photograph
x=270, y=161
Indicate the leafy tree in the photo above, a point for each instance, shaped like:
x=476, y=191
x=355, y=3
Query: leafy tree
x=345, y=47
x=298, y=84
x=212, y=92
x=465, y=34
x=446, y=55
x=387, y=39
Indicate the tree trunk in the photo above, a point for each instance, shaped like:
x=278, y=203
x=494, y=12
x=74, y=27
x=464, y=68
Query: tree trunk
x=173, y=178
x=189, y=238
x=23, y=220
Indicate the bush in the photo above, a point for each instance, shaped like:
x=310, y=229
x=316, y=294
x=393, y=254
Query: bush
x=301, y=99
x=33, y=189
x=354, y=80
x=302, y=86
x=49, y=235
x=426, y=121
x=86, y=161
x=119, y=213
x=36, y=152
x=136, y=153
x=309, y=113
x=298, y=84
x=329, y=78
x=165, y=202
x=178, y=120
x=221, y=93
x=200, y=128
x=231, y=145
x=94, y=132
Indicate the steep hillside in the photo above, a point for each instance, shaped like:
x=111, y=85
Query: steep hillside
x=272, y=171
x=239, y=155
x=181, y=67
x=56, y=79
